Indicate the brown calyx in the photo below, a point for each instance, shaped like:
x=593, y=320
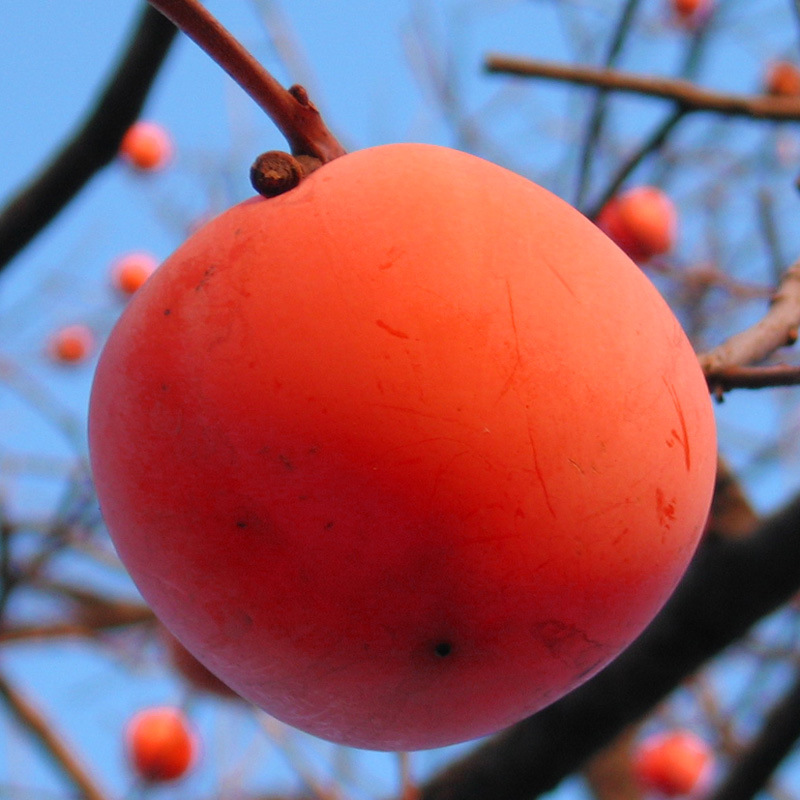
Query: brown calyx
x=276, y=172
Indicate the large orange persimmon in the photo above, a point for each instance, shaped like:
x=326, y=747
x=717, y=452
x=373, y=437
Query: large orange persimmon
x=406, y=453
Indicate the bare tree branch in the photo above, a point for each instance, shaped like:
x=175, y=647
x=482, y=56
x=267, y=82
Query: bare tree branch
x=687, y=95
x=32, y=720
x=731, y=585
x=290, y=109
x=727, y=378
x=753, y=768
x=778, y=328
x=96, y=142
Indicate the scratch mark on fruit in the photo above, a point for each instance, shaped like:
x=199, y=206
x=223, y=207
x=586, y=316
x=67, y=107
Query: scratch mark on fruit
x=665, y=509
x=683, y=437
x=399, y=334
x=518, y=360
x=569, y=644
x=540, y=475
x=558, y=276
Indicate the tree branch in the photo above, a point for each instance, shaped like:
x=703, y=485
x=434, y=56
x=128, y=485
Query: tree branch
x=778, y=328
x=291, y=110
x=687, y=95
x=31, y=719
x=95, y=144
x=727, y=378
x=779, y=734
x=731, y=585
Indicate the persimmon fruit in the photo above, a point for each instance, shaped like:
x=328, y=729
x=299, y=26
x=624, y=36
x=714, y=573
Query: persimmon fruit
x=782, y=79
x=642, y=221
x=71, y=344
x=131, y=270
x=161, y=743
x=146, y=146
x=673, y=763
x=691, y=12
x=405, y=453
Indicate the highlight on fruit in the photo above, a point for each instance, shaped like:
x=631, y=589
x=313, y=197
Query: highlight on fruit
x=405, y=453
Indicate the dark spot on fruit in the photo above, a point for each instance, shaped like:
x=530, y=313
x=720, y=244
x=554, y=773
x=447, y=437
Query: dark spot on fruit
x=443, y=649
x=241, y=524
x=207, y=274
x=285, y=461
x=167, y=312
x=328, y=525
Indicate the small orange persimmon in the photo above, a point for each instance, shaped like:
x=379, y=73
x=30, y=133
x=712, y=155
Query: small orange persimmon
x=405, y=453
x=130, y=271
x=71, y=344
x=782, y=79
x=673, y=763
x=146, y=146
x=642, y=221
x=691, y=12
x=161, y=743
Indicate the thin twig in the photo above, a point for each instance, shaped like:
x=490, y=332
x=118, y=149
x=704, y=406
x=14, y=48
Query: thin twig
x=106, y=620
x=723, y=380
x=290, y=109
x=31, y=719
x=95, y=144
x=686, y=94
x=753, y=768
x=653, y=143
x=597, y=115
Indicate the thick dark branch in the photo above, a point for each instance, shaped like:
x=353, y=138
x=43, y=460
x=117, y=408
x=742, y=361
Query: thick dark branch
x=755, y=766
x=730, y=586
x=727, y=378
x=95, y=144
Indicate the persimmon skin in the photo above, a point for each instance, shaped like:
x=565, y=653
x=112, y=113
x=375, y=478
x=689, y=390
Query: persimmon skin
x=674, y=763
x=642, y=221
x=404, y=454
x=191, y=670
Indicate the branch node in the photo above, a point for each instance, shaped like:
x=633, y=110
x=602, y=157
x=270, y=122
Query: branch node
x=301, y=95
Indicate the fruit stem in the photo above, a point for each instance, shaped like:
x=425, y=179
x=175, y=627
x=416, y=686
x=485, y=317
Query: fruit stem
x=290, y=109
